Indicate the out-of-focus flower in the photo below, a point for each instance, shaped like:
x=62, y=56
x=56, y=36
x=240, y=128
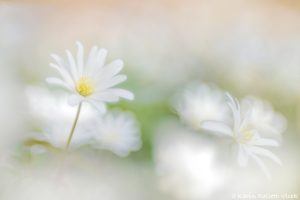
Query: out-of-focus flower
x=262, y=117
x=55, y=116
x=199, y=103
x=117, y=131
x=91, y=81
x=185, y=165
x=57, y=135
x=247, y=137
x=45, y=106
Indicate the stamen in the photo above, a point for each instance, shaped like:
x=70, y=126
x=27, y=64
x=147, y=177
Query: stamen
x=246, y=136
x=85, y=86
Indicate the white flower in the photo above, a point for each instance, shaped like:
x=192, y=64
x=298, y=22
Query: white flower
x=55, y=116
x=117, y=131
x=90, y=81
x=199, y=103
x=262, y=117
x=247, y=137
x=57, y=135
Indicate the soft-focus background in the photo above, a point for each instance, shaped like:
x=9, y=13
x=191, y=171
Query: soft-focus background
x=245, y=47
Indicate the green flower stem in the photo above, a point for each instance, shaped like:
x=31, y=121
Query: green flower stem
x=73, y=126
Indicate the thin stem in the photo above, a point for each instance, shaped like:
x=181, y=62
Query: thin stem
x=73, y=126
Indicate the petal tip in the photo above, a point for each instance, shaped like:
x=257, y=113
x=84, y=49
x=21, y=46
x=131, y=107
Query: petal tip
x=131, y=97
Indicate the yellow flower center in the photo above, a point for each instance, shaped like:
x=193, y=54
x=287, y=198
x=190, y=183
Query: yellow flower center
x=85, y=86
x=246, y=136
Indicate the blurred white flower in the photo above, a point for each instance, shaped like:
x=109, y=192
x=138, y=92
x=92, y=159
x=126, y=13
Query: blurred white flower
x=186, y=165
x=199, y=103
x=247, y=137
x=55, y=116
x=262, y=117
x=57, y=135
x=91, y=81
x=118, y=132
x=45, y=105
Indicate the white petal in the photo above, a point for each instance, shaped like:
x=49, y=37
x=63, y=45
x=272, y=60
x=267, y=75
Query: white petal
x=91, y=59
x=80, y=56
x=106, y=97
x=58, y=82
x=113, y=68
x=266, y=153
x=100, y=106
x=113, y=81
x=217, y=127
x=234, y=105
x=262, y=166
x=59, y=61
x=242, y=156
x=246, y=120
x=72, y=65
x=100, y=59
x=123, y=93
x=63, y=72
x=266, y=142
x=74, y=99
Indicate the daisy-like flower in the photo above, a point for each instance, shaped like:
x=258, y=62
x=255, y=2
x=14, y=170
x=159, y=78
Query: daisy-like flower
x=247, y=137
x=199, y=103
x=117, y=132
x=262, y=116
x=91, y=80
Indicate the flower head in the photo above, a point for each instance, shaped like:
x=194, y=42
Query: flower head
x=91, y=81
x=261, y=115
x=199, y=103
x=117, y=131
x=246, y=135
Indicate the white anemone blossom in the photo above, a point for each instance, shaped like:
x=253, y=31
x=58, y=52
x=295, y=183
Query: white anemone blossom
x=199, y=103
x=262, y=117
x=89, y=81
x=57, y=134
x=118, y=132
x=246, y=136
x=54, y=117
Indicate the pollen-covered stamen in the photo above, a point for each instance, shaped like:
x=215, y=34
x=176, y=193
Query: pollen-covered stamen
x=85, y=86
